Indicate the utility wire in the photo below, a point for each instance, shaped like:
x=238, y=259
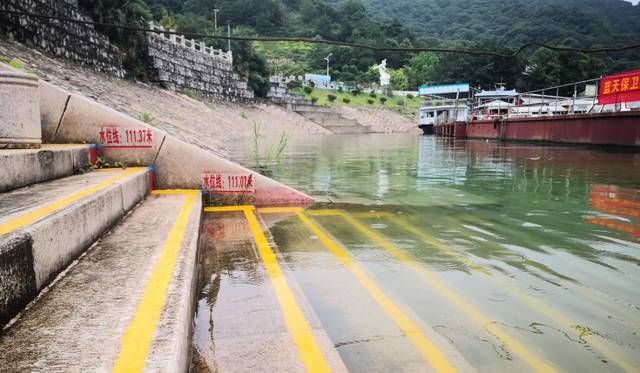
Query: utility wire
x=318, y=40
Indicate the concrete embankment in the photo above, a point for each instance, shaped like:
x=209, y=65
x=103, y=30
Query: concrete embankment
x=127, y=303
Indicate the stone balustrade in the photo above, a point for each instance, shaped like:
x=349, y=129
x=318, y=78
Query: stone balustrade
x=198, y=46
x=179, y=63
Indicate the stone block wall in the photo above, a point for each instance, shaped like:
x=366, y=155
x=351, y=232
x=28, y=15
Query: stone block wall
x=178, y=63
x=79, y=43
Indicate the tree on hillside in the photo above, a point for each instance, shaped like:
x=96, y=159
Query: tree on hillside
x=123, y=12
x=421, y=69
x=548, y=68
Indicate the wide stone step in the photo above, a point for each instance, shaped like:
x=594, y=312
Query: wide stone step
x=44, y=227
x=22, y=167
x=126, y=305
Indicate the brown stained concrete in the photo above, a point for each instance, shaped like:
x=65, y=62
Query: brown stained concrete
x=239, y=322
x=78, y=323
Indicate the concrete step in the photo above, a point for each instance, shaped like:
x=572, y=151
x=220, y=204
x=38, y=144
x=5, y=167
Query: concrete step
x=44, y=227
x=22, y=167
x=126, y=305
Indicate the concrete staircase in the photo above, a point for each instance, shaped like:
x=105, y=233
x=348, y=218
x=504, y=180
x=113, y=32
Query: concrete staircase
x=98, y=270
x=332, y=120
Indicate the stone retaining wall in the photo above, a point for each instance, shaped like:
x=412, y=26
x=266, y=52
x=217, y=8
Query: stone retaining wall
x=76, y=42
x=183, y=64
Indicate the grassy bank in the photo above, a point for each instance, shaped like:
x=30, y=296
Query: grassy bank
x=397, y=103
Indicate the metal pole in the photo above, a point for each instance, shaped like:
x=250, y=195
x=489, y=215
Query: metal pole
x=215, y=18
x=557, y=98
x=575, y=95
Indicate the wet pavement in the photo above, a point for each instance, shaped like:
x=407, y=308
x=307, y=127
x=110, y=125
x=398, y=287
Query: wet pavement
x=432, y=255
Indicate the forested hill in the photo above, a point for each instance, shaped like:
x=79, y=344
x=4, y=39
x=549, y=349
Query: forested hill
x=584, y=23
x=498, y=25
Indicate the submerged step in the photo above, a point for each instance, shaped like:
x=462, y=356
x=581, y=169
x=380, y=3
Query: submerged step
x=45, y=226
x=22, y=167
x=258, y=320
x=126, y=305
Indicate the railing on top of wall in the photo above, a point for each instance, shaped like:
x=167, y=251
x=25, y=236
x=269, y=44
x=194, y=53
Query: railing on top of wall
x=567, y=99
x=198, y=46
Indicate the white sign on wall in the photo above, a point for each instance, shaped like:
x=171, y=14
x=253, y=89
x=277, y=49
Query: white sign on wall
x=426, y=90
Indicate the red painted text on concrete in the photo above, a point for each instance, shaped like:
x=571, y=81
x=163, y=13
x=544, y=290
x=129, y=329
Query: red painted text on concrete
x=228, y=183
x=126, y=137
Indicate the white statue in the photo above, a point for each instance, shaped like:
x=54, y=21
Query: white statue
x=385, y=78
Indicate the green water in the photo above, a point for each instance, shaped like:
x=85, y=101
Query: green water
x=543, y=242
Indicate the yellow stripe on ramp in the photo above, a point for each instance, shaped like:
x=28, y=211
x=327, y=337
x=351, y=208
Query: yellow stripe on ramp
x=299, y=329
x=31, y=216
x=136, y=340
x=474, y=314
x=429, y=351
x=532, y=302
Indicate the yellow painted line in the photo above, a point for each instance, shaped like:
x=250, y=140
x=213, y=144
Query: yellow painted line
x=160, y=192
x=299, y=329
x=564, y=321
x=278, y=210
x=136, y=340
x=33, y=215
x=428, y=349
x=470, y=311
x=399, y=221
x=227, y=208
x=532, y=302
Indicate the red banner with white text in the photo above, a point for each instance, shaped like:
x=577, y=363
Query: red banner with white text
x=624, y=87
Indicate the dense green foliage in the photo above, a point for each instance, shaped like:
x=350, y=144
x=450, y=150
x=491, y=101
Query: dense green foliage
x=124, y=12
x=511, y=23
x=496, y=25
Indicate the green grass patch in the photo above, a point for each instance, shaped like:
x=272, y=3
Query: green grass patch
x=17, y=64
x=396, y=103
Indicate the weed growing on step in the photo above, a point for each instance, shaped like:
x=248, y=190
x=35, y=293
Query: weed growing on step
x=101, y=163
x=243, y=115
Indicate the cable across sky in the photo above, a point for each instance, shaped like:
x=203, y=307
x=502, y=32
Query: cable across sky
x=319, y=40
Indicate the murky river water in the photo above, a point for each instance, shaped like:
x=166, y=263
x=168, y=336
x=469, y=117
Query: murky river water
x=506, y=256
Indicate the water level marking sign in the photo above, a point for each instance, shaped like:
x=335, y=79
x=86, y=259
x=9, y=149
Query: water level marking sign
x=228, y=183
x=126, y=137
